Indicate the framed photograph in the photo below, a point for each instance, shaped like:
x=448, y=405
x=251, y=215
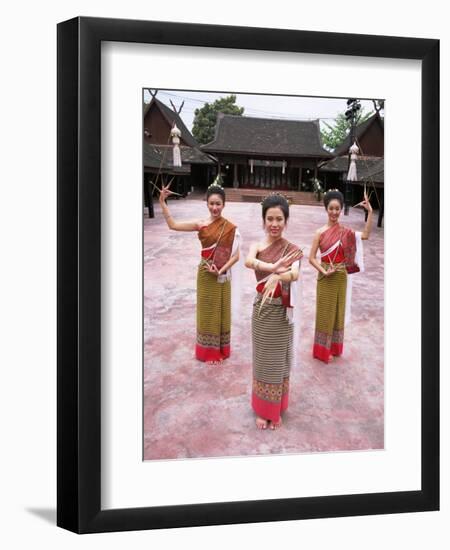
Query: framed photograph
x=156, y=413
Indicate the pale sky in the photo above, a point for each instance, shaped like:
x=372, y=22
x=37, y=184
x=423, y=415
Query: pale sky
x=263, y=106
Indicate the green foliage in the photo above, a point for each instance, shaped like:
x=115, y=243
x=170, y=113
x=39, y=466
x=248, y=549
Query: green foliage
x=206, y=117
x=335, y=133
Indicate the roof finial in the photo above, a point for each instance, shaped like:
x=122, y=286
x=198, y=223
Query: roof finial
x=177, y=111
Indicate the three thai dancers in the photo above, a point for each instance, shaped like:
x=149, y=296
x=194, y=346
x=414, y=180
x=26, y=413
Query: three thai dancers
x=276, y=263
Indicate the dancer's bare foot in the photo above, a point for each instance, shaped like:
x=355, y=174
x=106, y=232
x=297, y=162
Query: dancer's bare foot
x=219, y=362
x=261, y=423
x=330, y=359
x=276, y=425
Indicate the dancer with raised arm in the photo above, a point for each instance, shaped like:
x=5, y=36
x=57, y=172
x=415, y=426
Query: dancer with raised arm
x=340, y=254
x=219, y=239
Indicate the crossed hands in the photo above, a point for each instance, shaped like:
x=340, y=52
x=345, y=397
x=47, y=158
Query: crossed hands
x=211, y=268
x=330, y=270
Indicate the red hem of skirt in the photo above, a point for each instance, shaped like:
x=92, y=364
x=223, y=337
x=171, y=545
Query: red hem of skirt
x=212, y=354
x=267, y=410
x=323, y=354
x=337, y=349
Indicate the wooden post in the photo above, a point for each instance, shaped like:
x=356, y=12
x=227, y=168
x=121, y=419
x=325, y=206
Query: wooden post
x=148, y=195
x=381, y=211
x=235, y=176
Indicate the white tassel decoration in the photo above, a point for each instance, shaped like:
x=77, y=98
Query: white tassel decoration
x=352, y=174
x=175, y=135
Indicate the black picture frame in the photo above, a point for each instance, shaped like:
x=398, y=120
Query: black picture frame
x=79, y=275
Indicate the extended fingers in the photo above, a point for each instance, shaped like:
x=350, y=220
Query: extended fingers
x=291, y=256
x=286, y=258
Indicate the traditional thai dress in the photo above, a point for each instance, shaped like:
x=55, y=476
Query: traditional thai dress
x=220, y=241
x=339, y=246
x=272, y=338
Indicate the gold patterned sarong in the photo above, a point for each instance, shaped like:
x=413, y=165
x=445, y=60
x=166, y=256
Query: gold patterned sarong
x=214, y=297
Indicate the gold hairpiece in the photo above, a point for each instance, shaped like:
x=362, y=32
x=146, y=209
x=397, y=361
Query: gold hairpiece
x=216, y=182
x=215, y=185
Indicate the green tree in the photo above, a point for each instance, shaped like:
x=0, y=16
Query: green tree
x=206, y=117
x=334, y=134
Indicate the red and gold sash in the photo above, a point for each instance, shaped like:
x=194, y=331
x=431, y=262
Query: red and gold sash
x=345, y=251
x=217, y=241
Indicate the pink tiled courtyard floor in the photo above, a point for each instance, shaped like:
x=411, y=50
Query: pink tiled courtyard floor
x=195, y=410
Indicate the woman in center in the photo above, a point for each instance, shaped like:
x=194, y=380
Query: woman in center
x=276, y=264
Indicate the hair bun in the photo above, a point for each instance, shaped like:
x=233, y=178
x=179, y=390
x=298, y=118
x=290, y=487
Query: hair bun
x=332, y=194
x=275, y=194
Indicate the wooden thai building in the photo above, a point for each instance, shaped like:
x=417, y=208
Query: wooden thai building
x=197, y=167
x=264, y=153
x=369, y=137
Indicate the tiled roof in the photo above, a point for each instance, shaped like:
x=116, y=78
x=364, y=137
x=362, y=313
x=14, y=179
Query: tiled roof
x=374, y=172
x=340, y=164
x=370, y=168
x=156, y=156
x=264, y=136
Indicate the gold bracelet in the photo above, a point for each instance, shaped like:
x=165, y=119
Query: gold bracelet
x=255, y=263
